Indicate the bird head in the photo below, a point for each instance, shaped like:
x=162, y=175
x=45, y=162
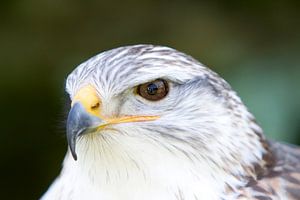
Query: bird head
x=144, y=104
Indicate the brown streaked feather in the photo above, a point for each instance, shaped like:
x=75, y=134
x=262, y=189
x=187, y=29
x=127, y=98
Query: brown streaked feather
x=281, y=179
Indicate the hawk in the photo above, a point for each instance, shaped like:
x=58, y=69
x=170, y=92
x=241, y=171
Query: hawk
x=149, y=122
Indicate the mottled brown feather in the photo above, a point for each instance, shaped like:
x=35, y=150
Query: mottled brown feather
x=281, y=178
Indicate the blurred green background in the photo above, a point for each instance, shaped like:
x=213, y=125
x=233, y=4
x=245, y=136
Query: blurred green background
x=254, y=45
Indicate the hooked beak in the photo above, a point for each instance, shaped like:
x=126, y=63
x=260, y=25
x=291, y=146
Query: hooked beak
x=80, y=122
x=85, y=117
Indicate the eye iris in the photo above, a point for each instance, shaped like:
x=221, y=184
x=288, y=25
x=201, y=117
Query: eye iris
x=152, y=89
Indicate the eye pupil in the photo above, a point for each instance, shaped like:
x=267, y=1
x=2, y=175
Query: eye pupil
x=152, y=89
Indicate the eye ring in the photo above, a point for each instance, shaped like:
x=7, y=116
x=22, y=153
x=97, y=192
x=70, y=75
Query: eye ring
x=153, y=90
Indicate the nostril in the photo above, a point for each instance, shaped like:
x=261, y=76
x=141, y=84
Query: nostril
x=95, y=106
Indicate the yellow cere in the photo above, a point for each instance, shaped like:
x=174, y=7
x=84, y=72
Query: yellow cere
x=88, y=97
x=90, y=100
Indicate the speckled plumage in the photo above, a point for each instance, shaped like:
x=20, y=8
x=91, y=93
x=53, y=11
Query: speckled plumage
x=205, y=145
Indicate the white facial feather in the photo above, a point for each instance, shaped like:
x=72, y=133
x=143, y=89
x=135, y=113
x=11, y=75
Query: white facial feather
x=204, y=141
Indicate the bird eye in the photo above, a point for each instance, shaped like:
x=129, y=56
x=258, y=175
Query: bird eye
x=154, y=90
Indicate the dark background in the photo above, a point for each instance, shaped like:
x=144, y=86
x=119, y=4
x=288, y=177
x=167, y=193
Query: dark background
x=254, y=45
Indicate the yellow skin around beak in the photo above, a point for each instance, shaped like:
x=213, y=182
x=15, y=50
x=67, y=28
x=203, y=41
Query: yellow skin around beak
x=90, y=100
x=88, y=97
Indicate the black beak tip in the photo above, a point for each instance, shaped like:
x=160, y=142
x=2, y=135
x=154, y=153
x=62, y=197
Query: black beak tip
x=72, y=144
x=74, y=155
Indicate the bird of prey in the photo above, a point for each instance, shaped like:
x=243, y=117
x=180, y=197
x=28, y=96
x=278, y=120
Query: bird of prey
x=151, y=123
